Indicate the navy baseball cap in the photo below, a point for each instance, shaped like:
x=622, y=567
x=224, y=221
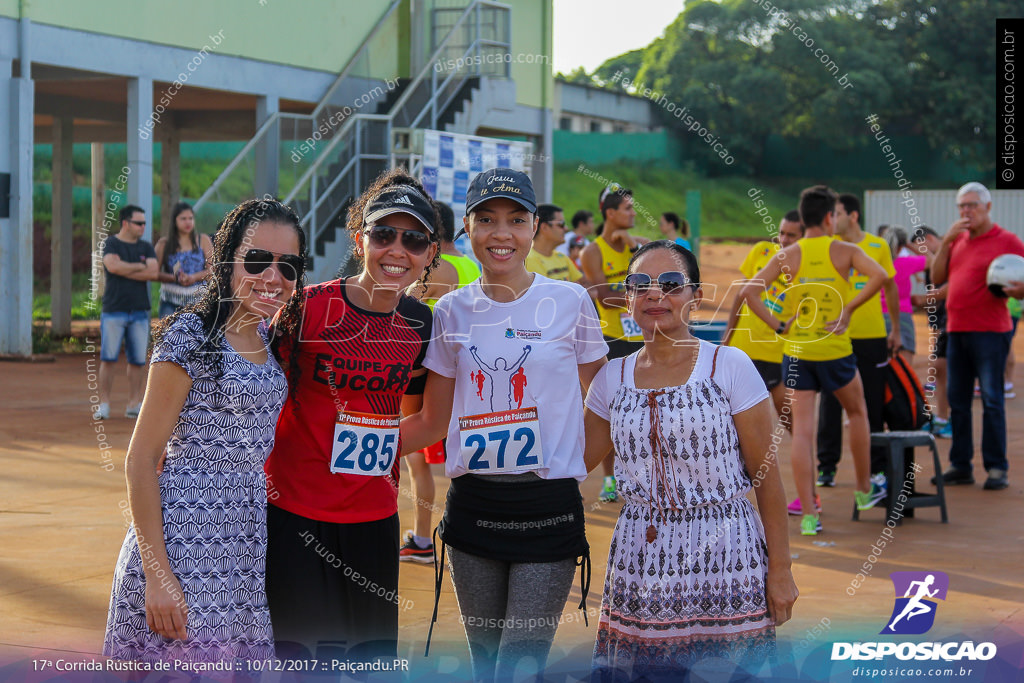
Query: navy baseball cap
x=501, y=182
x=400, y=199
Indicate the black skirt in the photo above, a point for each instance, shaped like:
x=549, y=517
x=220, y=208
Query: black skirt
x=517, y=518
x=526, y=520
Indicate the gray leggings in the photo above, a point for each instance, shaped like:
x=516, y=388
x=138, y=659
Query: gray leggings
x=510, y=611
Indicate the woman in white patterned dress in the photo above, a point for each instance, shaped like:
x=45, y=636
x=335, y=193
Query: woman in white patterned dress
x=189, y=581
x=691, y=571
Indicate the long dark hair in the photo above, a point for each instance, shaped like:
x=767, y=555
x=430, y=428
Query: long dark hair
x=171, y=246
x=396, y=176
x=216, y=303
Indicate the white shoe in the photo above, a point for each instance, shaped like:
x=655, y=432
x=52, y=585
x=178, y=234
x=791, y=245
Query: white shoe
x=102, y=412
x=132, y=412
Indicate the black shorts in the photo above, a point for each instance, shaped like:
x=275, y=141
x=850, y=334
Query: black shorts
x=332, y=588
x=620, y=348
x=818, y=375
x=770, y=372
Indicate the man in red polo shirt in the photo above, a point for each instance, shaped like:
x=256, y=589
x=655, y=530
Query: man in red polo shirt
x=979, y=327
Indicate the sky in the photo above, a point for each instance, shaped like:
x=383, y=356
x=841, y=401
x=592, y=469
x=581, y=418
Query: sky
x=579, y=24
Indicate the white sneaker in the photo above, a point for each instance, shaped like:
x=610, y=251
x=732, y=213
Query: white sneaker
x=132, y=412
x=102, y=412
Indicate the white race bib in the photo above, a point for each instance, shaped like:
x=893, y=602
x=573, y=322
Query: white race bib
x=630, y=330
x=364, y=444
x=501, y=442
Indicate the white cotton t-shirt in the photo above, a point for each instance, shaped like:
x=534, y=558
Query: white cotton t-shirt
x=735, y=374
x=508, y=357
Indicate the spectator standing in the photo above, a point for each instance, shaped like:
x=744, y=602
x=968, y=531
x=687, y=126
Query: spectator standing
x=978, y=324
x=605, y=262
x=906, y=264
x=129, y=263
x=184, y=258
x=582, y=225
x=675, y=230
x=543, y=257
x=750, y=334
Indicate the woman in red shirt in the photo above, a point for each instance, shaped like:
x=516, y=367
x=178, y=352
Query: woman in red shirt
x=353, y=363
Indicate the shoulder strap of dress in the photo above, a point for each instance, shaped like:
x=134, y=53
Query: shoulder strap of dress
x=622, y=370
x=714, y=361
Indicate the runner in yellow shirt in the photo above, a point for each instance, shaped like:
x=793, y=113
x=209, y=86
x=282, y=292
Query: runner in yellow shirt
x=543, y=257
x=871, y=347
x=748, y=333
x=605, y=262
x=817, y=351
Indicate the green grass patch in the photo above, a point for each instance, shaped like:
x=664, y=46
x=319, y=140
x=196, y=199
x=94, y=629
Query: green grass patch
x=727, y=211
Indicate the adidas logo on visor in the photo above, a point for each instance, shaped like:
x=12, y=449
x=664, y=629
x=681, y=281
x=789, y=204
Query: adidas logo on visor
x=404, y=199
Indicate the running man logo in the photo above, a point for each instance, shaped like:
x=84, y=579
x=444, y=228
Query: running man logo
x=914, y=612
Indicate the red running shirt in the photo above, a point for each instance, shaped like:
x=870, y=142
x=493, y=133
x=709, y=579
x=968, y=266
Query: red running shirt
x=349, y=359
x=970, y=307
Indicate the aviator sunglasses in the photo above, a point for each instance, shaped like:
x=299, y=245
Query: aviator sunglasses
x=640, y=283
x=256, y=261
x=413, y=241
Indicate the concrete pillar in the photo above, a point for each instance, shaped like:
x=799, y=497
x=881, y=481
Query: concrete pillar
x=16, y=138
x=170, y=177
x=140, y=150
x=543, y=166
x=267, y=155
x=99, y=232
x=61, y=228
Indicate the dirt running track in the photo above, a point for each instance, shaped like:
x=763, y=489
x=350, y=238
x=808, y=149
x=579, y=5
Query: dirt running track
x=62, y=497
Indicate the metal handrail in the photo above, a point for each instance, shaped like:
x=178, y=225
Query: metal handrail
x=349, y=122
x=408, y=92
x=277, y=116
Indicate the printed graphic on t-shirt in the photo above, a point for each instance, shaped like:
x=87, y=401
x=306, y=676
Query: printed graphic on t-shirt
x=500, y=383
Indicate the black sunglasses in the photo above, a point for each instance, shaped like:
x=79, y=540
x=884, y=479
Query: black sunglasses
x=138, y=223
x=413, y=241
x=640, y=283
x=256, y=261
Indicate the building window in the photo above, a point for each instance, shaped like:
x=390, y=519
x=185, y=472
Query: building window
x=619, y=128
x=565, y=123
x=595, y=126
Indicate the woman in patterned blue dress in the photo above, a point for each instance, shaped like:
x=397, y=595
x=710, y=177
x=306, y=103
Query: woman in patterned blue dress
x=694, y=570
x=189, y=581
x=184, y=258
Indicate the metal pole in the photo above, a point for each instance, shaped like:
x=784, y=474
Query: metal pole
x=693, y=218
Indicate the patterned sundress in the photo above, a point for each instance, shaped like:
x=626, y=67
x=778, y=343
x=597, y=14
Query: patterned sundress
x=214, y=499
x=686, y=568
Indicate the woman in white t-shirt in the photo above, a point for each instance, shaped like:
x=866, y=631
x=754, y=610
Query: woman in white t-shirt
x=691, y=571
x=508, y=355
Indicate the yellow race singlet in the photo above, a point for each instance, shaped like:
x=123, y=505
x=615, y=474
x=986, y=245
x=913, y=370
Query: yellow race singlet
x=466, y=270
x=616, y=322
x=817, y=294
x=868, y=321
x=752, y=335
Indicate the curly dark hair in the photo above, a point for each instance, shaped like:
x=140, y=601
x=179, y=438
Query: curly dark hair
x=396, y=176
x=215, y=304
